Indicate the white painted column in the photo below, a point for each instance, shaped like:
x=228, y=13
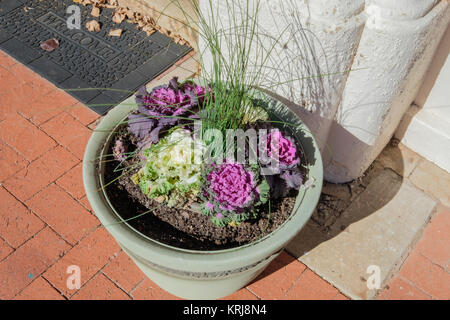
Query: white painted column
x=395, y=51
x=317, y=41
x=337, y=27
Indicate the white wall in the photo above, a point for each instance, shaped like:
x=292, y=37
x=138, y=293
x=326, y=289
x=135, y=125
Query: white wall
x=425, y=128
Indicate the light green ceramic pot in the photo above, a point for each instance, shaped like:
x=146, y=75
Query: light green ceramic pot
x=200, y=274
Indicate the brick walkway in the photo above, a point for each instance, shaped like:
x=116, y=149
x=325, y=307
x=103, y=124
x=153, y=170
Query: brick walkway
x=46, y=223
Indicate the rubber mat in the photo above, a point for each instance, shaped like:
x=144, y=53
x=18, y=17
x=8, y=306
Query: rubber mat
x=97, y=69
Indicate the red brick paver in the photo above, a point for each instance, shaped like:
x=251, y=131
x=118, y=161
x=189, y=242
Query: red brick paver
x=400, y=289
x=425, y=275
x=100, y=288
x=278, y=278
x=124, y=272
x=62, y=213
x=148, y=290
x=40, y=173
x=46, y=107
x=5, y=249
x=46, y=226
x=24, y=137
x=68, y=132
x=91, y=255
x=20, y=268
x=311, y=287
x=39, y=289
x=243, y=294
x=10, y=161
x=85, y=115
x=435, y=244
x=17, y=223
x=72, y=182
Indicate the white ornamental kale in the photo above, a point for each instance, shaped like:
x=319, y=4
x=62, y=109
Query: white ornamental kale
x=172, y=172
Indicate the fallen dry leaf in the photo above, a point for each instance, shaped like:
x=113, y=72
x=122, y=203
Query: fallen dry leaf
x=130, y=14
x=93, y=25
x=50, y=44
x=143, y=22
x=118, y=17
x=149, y=30
x=95, y=12
x=115, y=32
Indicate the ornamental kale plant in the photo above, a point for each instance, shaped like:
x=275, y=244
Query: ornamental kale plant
x=164, y=107
x=232, y=192
x=170, y=174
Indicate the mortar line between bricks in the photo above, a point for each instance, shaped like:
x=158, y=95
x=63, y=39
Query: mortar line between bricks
x=41, y=275
x=46, y=224
x=82, y=286
x=42, y=123
x=432, y=262
x=19, y=153
x=416, y=287
x=88, y=210
x=57, y=290
x=27, y=208
x=76, y=157
x=29, y=162
x=22, y=244
x=25, y=205
x=50, y=265
x=70, y=195
x=46, y=186
x=62, y=237
x=259, y=298
x=246, y=288
x=21, y=290
x=99, y=271
x=78, y=120
x=25, y=159
x=9, y=245
x=116, y=284
x=298, y=279
x=58, y=144
x=47, y=120
x=136, y=286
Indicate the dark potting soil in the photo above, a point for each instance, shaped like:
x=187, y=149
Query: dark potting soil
x=180, y=227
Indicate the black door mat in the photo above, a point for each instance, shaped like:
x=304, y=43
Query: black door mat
x=95, y=68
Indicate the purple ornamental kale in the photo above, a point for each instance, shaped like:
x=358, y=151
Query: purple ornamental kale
x=232, y=187
x=197, y=91
x=288, y=175
x=165, y=106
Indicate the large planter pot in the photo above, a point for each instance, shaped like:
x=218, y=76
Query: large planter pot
x=200, y=274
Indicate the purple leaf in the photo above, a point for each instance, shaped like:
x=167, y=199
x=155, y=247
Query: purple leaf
x=140, y=125
x=294, y=179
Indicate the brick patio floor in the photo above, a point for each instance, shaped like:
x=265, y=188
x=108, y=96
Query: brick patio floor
x=46, y=223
